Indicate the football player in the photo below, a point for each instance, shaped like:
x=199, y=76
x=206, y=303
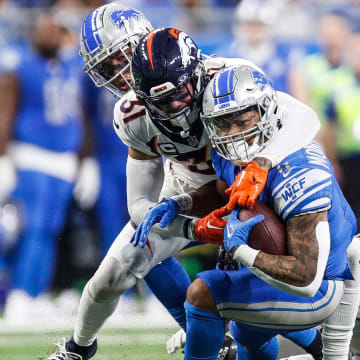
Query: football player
x=40, y=139
x=272, y=294
x=108, y=38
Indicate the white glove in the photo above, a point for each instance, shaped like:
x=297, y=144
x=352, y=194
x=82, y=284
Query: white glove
x=87, y=184
x=7, y=177
x=177, y=341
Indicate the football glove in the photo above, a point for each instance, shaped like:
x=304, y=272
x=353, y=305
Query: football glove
x=210, y=229
x=247, y=186
x=88, y=182
x=237, y=232
x=176, y=342
x=162, y=213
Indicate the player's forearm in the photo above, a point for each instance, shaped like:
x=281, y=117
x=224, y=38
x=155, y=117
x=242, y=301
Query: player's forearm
x=287, y=269
x=302, y=271
x=144, y=182
x=209, y=197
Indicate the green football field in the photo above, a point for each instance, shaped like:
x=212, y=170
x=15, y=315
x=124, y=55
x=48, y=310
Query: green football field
x=142, y=344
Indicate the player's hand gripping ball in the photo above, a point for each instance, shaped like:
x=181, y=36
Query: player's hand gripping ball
x=270, y=234
x=237, y=231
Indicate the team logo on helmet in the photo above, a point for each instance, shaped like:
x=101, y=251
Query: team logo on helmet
x=118, y=16
x=187, y=48
x=260, y=79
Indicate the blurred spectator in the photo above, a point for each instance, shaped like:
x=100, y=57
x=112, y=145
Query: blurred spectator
x=342, y=135
x=313, y=79
x=297, y=20
x=253, y=41
x=40, y=135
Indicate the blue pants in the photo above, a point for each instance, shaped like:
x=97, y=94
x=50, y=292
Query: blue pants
x=111, y=207
x=242, y=296
x=44, y=201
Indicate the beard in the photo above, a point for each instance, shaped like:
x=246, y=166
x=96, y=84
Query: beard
x=48, y=52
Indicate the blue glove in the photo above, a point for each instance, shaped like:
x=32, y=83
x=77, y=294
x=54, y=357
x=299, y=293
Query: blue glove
x=162, y=213
x=237, y=232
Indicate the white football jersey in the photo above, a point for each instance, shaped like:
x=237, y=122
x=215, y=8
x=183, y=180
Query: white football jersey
x=191, y=164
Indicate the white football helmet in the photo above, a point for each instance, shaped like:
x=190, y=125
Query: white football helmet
x=233, y=91
x=111, y=30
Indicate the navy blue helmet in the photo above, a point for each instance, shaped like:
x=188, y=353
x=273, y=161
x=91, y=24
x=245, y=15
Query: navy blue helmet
x=169, y=77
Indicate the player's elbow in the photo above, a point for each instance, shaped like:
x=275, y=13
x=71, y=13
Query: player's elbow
x=308, y=276
x=309, y=284
x=308, y=291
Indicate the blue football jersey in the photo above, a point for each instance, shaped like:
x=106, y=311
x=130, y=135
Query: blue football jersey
x=305, y=182
x=48, y=112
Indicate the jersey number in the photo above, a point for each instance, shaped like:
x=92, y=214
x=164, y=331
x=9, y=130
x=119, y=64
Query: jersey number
x=127, y=107
x=197, y=157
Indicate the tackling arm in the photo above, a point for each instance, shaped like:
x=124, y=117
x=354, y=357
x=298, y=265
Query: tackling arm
x=145, y=176
x=302, y=271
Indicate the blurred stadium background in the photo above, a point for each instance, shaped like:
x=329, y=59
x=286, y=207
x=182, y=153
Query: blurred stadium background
x=309, y=48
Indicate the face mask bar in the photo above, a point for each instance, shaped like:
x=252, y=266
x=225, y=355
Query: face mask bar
x=235, y=147
x=102, y=72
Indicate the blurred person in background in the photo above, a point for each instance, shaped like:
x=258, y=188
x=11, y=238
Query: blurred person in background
x=100, y=190
x=341, y=138
x=252, y=28
x=40, y=136
x=342, y=134
x=298, y=21
x=317, y=75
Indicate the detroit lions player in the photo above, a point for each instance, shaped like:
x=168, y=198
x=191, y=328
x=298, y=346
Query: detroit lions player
x=108, y=38
x=40, y=137
x=272, y=294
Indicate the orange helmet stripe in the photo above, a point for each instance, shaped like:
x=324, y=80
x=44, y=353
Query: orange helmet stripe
x=149, y=43
x=174, y=32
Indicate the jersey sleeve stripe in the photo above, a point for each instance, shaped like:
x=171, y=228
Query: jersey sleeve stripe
x=279, y=187
x=285, y=212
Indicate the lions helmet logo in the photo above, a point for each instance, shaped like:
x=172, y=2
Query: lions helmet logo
x=260, y=80
x=119, y=16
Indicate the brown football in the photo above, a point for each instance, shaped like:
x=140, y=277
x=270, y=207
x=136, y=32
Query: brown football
x=269, y=235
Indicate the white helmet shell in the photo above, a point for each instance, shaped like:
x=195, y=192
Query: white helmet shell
x=107, y=30
x=231, y=91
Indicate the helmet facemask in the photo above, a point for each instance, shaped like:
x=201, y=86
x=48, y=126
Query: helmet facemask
x=102, y=71
x=108, y=38
x=161, y=97
x=243, y=146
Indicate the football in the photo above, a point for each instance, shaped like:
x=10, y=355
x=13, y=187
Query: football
x=269, y=235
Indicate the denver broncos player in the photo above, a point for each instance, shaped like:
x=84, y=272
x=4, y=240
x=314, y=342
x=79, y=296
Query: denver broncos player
x=273, y=294
x=108, y=38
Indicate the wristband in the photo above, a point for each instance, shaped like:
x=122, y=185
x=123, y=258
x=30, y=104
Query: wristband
x=246, y=255
x=184, y=201
x=189, y=229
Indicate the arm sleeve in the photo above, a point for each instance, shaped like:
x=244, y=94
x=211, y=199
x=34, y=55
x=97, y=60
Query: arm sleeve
x=299, y=127
x=144, y=182
x=323, y=239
